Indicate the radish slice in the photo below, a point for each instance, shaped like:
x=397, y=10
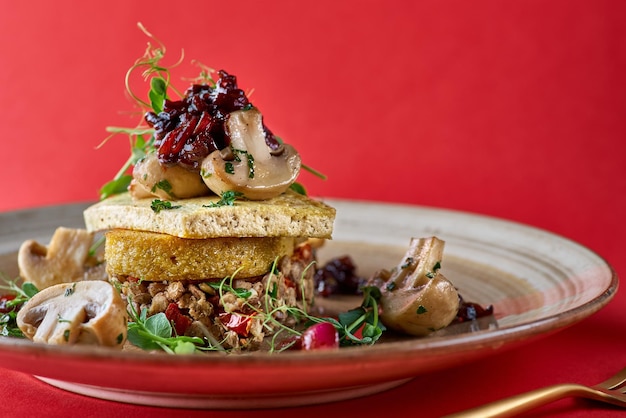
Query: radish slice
x=320, y=336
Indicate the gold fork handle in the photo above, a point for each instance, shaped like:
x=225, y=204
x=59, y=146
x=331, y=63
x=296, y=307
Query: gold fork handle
x=524, y=402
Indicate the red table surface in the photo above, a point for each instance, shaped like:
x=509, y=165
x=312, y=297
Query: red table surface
x=512, y=109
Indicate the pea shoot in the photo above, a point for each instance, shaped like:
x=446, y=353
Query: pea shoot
x=156, y=333
x=151, y=69
x=359, y=326
x=10, y=304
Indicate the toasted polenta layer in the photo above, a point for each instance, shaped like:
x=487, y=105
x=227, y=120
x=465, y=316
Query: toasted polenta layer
x=287, y=215
x=153, y=256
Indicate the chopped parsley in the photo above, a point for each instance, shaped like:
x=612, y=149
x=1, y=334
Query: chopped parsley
x=70, y=290
x=407, y=263
x=158, y=205
x=436, y=267
x=249, y=159
x=227, y=198
x=164, y=185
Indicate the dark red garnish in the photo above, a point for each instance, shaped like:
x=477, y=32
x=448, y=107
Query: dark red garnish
x=469, y=311
x=338, y=276
x=188, y=130
x=180, y=321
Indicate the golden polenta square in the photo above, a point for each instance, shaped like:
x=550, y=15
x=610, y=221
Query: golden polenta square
x=153, y=257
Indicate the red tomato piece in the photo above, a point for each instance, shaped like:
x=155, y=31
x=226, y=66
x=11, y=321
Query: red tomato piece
x=237, y=322
x=174, y=315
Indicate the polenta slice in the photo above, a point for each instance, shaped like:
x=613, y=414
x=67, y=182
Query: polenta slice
x=153, y=257
x=287, y=215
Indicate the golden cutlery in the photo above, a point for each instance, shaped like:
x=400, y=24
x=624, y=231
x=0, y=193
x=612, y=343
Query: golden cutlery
x=611, y=391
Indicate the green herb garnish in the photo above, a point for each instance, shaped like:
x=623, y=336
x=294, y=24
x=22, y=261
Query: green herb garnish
x=152, y=70
x=225, y=287
x=364, y=318
x=158, y=205
x=22, y=294
x=227, y=198
x=70, y=290
x=298, y=188
x=355, y=327
x=158, y=93
x=139, y=148
x=8, y=320
x=436, y=268
x=156, y=333
x=164, y=185
x=407, y=263
x=249, y=161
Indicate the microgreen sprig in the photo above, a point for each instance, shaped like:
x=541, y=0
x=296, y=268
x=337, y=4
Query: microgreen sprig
x=363, y=319
x=139, y=148
x=156, y=333
x=22, y=294
x=8, y=320
x=159, y=78
x=158, y=74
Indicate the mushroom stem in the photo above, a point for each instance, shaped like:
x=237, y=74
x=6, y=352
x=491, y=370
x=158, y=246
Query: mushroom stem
x=420, y=263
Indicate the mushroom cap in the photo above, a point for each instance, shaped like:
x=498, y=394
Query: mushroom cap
x=420, y=311
x=151, y=178
x=252, y=168
x=415, y=297
x=62, y=261
x=86, y=312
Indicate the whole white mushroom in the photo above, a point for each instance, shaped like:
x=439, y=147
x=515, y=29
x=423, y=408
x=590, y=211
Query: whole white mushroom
x=416, y=298
x=87, y=312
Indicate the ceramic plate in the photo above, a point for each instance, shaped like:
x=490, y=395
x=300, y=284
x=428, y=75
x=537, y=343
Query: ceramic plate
x=536, y=281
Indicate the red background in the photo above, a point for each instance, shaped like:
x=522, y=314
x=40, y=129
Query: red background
x=507, y=108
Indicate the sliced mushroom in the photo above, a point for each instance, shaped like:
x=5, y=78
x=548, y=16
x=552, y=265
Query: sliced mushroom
x=64, y=260
x=416, y=298
x=151, y=178
x=250, y=166
x=87, y=312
